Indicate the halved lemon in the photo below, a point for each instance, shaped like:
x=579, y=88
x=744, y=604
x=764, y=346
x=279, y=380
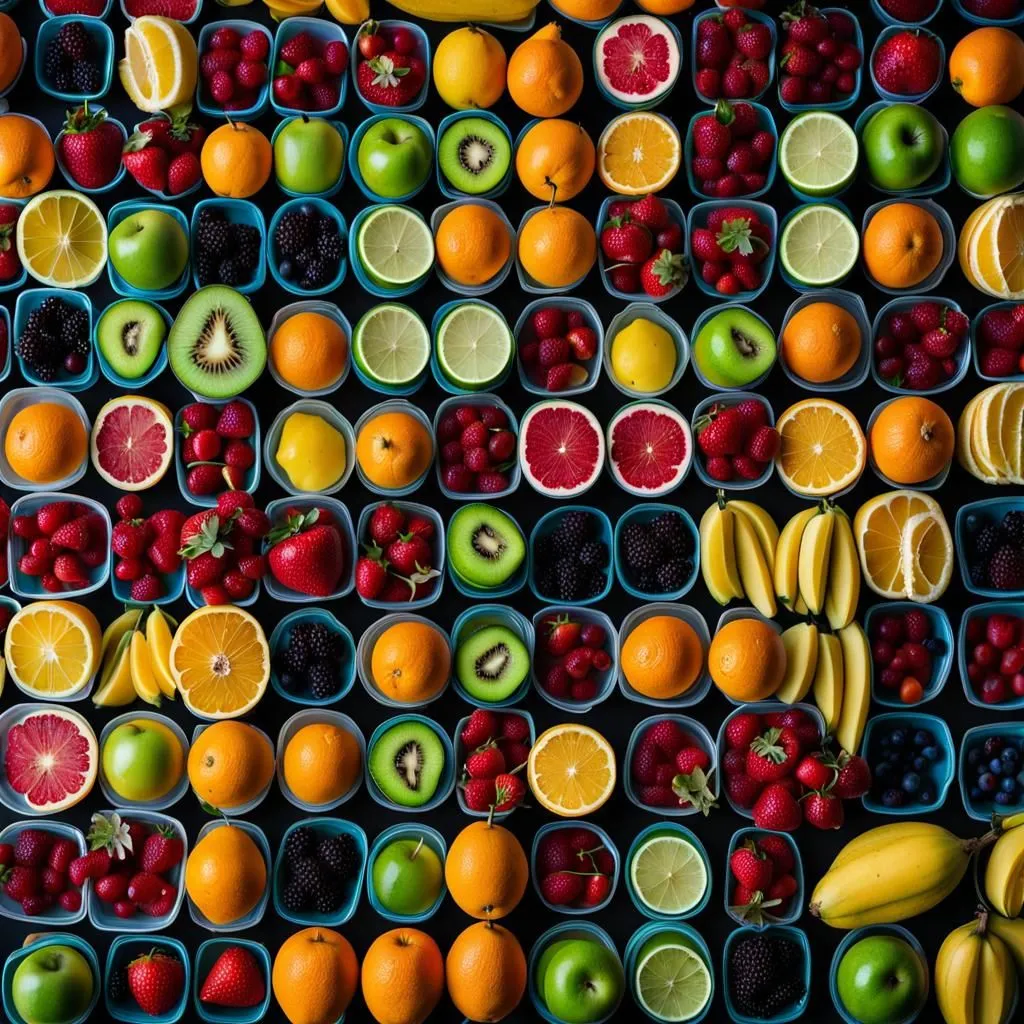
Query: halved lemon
x=220, y=662
x=159, y=66
x=1001, y=250
x=638, y=153
x=52, y=648
x=62, y=239
x=822, y=447
x=571, y=770
x=927, y=551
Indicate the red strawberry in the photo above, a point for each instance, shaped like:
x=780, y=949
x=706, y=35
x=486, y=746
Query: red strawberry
x=146, y=163
x=907, y=63
x=32, y=846
x=72, y=536
x=578, y=662
x=561, y=888
x=668, y=736
x=62, y=853
x=854, y=778
x=658, y=796
x=70, y=900
x=751, y=867
x=481, y=727
x=236, y=978
x=561, y=634
x=742, y=729
x=409, y=554
x=780, y=852
x=720, y=432
x=90, y=147
x=651, y=212
x=742, y=790
x=763, y=445
x=161, y=851
x=306, y=556
x=626, y=241
x=486, y=763
x=548, y=322
x=20, y=883
x=814, y=773
x=510, y=791
x=583, y=342
x=156, y=981
x=663, y=273
x=690, y=758
x=390, y=79
x=183, y=173
x=94, y=864
x=554, y=854
x=236, y=420
x=111, y=888
x=297, y=49
x=777, y=809
x=371, y=576
x=479, y=794
x=823, y=810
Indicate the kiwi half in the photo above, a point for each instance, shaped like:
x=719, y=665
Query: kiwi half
x=407, y=763
x=485, y=546
x=216, y=347
x=492, y=663
x=474, y=154
x=130, y=334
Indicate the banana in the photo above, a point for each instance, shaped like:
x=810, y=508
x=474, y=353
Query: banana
x=802, y=643
x=812, y=565
x=718, y=552
x=158, y=640
x=1012, y=933
x=764, y=526
x=233, y=3
x=853, y=714
x=892, y=872
x=787, y=556
x=124, y=623
x=143, y=679
x=1011, y=821
x=800, y=605
x=500, y=11
x=1004, y=875
x=827, y=686
x=975, y=980
x=755, y=571
x=115, y=684
x=843, y=590
x=349, y=12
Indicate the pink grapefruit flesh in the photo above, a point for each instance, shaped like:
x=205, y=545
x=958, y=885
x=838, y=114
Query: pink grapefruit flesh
x=649, y=447
x=132, y=443
x=638, y=58
x=561, y=448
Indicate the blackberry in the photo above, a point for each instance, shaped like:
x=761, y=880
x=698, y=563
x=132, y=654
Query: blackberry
x=299, y=638
x=62, y=81
x=328, y=896
x=307, y=874
x=52, y=309
x=594, y=554
x=596, y=584
x=339, y=853
x=787, y=994
x=229, y=272
x=294, y=897
x=292, y=234
x=672, y=575
x=979, y=573
x=206, y=268
x=647, y=582
x=568, y=585
x=323, y=680
x=575, y=529
x=1006, y=568
x=74, y=331
x=321, y=642
x=55, y=63
x=213, y=232
x=117, y=985
x=986, y=539
x=74, y=40
x=329, y=248
x=247, y=247
x=37, y=322
x=86, y=77
x=547, y=583
x=1013, y=527
x=763, y=972
x=295, y=659
x=639, y=547
x=316, y=275
x=46, y=372
x=300, y=843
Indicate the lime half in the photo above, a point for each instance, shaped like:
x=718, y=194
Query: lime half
x=395, y=247
x=391, y=345
x=668, y=874
x=818, y=153
x=672, y=982
x=474, y=346
x=819, y=245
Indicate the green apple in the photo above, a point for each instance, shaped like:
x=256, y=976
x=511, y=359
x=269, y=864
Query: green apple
x=52, y=985
x=394, y=157
x=882, y=978
x=142, y=760
x=407, y=876
x=987, y=151
x=544, y=961
x=902, y=146
x=733, y=348
x=583, y=981
x=309, y=154
x=149, y=249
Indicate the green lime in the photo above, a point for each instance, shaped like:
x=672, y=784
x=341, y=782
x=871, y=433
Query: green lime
x=668, y=874
x=818, y=153
x=672, y=981
x=819, y=245
x=391, y=345
x=474, y=346
x=395, y=247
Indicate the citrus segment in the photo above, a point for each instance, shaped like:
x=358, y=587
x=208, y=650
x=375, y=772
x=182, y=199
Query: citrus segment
x=132, y=442
x=822, y=448
x=571, y=770
x=52, y=648
x=638, y=153
x=1006, y=238
x=391, y=345
x=62, y=239
x=927, y=552
x=668, y=874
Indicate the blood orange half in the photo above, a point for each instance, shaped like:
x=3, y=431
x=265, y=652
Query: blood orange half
x=649, y=447
x=561, y=448
x=50, y=758
x=637, y=59
x=132, y=442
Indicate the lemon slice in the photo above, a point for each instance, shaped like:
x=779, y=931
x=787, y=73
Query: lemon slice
x=474, y=346
x=822, y=447
x=985, y=435
x=964, y=448
x=52, y=648
x=927, y=552
x=571, y=770
x=819, y=245
x=62, y=239
x=395, y=246
x=159, y=67
x=638, y=153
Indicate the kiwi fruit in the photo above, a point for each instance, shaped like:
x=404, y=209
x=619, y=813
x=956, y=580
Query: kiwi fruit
x=492, y=663
x=485, y=547
x=217, y=347
x=130, y=335
x=474, y=154
x=407, y=762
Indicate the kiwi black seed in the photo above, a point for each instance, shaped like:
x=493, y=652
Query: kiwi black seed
x=474, y=154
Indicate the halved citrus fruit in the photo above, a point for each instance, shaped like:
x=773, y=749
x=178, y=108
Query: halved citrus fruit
x=822, y=447
x=159, y=67
x=638, y=153
x=62, y=239
x=52, y=648
x=649, y=447
x=220, y=662
x=561, y=448
x=571, y=770
x=927, y=550
x=132, y=442
x=1004, y=238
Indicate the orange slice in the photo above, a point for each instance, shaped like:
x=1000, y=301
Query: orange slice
x=571, y=770
x=822, y=447
x=638, y=153
x=927, y=553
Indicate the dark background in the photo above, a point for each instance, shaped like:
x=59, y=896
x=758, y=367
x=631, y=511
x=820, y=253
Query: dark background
x=617, y=717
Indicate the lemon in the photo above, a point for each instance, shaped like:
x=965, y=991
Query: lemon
x=644, y=357
x=62, y=239
x=159, y=67
x=312, y=452
x=52, y=648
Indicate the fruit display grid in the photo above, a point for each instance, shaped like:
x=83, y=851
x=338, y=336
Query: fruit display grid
x=617, y=717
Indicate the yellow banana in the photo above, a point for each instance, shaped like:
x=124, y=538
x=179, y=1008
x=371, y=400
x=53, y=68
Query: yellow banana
x=764, y=526
x=500, y=11
x=853, y=714
x=1012, y=933
x=828, y=679
x=143, y=679
x=159, y=639
x=124, y=623
x=718, y=552
x=1004, y=874
x=1011, y=821
x=115, y=687
x=975, y=980
x=349, y=12
x=233, y=3
x=801, y=643
x=787, y=556
x=800, y=605
x=843, y=590
x=812, y=565
x=755, y=572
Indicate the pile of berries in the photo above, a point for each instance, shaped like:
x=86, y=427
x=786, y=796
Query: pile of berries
x=234, y=67
x=307, y=75
x=818, y=62
x=10, y=264
x=917, y=347
x=765, y=974
x=913, y=11
x=60, y=544
x=55, y=339
x=995, y=656
x=908, y=63
x=317, y=870
x=730, y=249
x=216, y=446
x=495, y=745
x=902, y=648
x=572, y=561
x=732, y=56
x=671, y=769
x=478, y=449
x=1000, y=341
x=154, y=981
x=764, y=869
x=995, y=772
x=225, y=252
x=555, y=346
x=643, y=243
x=570, y=653
x=146, y=549
x=996, y=551
x=657, y=555
x=903, y=760
x=34, y=872
x=389, y=72
x=574, y=868
x=71, y=62
x=162, y=154
x=90, y=8
x=311, y=661
x=308, y=247
x=731, y=153
x=399, y=564
x=736, y=441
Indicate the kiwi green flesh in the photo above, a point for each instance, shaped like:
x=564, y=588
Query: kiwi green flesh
x=217, y=347
x=474, y=155
x=407, y=762
x=485, y=545
x=492, y=663
x=129, y=335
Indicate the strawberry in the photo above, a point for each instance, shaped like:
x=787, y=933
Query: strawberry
x=174, y=132
x=236, y=420
x=561, y=376
x=906, y=63
x=777, y=809
x=72, y=536
x=561, y=888
x=626, y=241
x=299, y=48
x=708, y=82
x=390, y=79
x=94, y=864
x=583, y=689
x=481, y=726
x=657, y=796
x=409, y=554
x=705, y=247
x=198, y=416
x=780, y=852
x=625, y=277
x=156, y=980
x=742, y=789
x=510, y=791
x=128, y=538
x=110, y=888
x=646, y=759
x=651, y=212
x=583, y=342
x=561, y=634
x=557, y=682
x=668, y=736
x=751, y=867
x=663, y=273
x=50, y=517
x=712, y=137
x=306, y=556
x=854, y=777
x=161, y=851
x=236, y=978
x=70, y=900
x=61, y=854
x=554, y=854
x=146, y=163
x=823, y=810
x=742, y=729
x=692, y=790
x=386, y=523
x=763, y=445
x=578, y=662
x=720, y=431
x=32, y=847
x=814, y=773
x=487, y=762
x=479, y=794
x=20, y=883
x=754, y=39
x=371, y=576
x=800, y=722
x=144, y=887
x=183, y=173
x=548, y=322
x=90, y=147
x=690, y=758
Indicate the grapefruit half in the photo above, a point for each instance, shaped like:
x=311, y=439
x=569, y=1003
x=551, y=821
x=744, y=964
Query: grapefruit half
x=650, y=447
x=132, y=442
x=637, y=58
x=561, y=448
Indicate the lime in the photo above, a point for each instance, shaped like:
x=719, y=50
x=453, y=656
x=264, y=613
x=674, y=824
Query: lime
x=395, y=247
x=474, y=345
x=672, y=981
x=391, y=345
x=819, y=245
x=668, y=874
x=818, y=153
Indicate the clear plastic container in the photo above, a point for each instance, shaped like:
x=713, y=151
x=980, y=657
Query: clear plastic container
x=325, y=209
x=546, y=525
x=694, y=940
x=515, y=471
x=471, y=621
x=445, y=784
x=159, y=364
x=423, y=52
x=527, y=283
x=796, y=901
x=1015, y=608
x=666, y=409
x=442, y=379
x=54, y=915
x=894, y=97
x=364, y=658
x=524, y=333
x=940, y=178
x=62, y=167
x=395, y=405
x=673, y=829
x=173, y=795
x=945, y=222
x=931, y=484
x=322, y=30
x=15, y=958
x=323, y=308
x=446, y=188
x=646, y=311
x=576, y=929
x=353, y=157
x=317, y=716
x=330, y=415
x=606, y=841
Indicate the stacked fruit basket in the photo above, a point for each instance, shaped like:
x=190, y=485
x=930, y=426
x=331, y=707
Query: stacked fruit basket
x=512, y=511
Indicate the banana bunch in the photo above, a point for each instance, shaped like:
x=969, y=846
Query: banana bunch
x=975, y=975
x=136, y=660
x=891, y=873
x=1004, y=875
x=737, y=553
x=499, y=11
x=281, y=9
x=1012, y=933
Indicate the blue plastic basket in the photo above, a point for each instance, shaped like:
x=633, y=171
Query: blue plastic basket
x=975, y=344
x=54, y=915
x=470, y=290
x=933, y=483
x=69, y=177
x=546, y=525
x=975, y=19
x=431, y=838
x=103, y=42
x=104, y=15
x=252, y=474
x=347, y=669
x=698, y=219
x=159, y=364
x=989, y=510
x=122, y=951
x=17, y=282
x=893, y=97
x=173, y=795
x=204, y=101
x=28, y=302
x=16, y=957
x=206, y=956
x=442, y=379
x=346, y=150
x=325, y=209
x=528, y=284
x=1015, y=608
x=423, y=52
x=512, y=584
x=693, y=940
x=355, y=170
x=940, y=178
x=461, y=753
x=796, y=901
x=606, y=842
x=982, y=810
x=644, y=513
x=734, y=398
x=330, y=415
x=794, y=1012
x=765, y=122
x=360, y=271
x=236, y=211
x=605, y=680
x=646, y=311
x=681, y=832
x=887, y=19
x=390, y=406
x=700, y=735
x=575, y=929
x=121, y=212
x=322, y=30
x=941, y=664
x=515, y=471
x=945, y=222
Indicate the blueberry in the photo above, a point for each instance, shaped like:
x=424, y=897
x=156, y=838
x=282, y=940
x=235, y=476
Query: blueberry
x=926, y=796
x=995, y=765
x=1009, y=769
x=1008, y=785
x=922, y=738
x=1011, y=755
x=894, y=757
x=1003, y=798
x=987, y=782
x=892, y=798
x=286, y=269
x=911, y=782
x=932, y=753
x=897, y=738
x=883, y=770
x=973, y=756
x=972, y=522
x=919, y=764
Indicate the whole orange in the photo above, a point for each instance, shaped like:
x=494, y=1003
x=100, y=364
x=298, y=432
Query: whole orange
x=309, y=351
x=821, y=342
x=987, y=66
x=545, y=76
x=472, y=244
x=912, y=439
x=555, y=160
x=402, y=977
x=236, y=160
x=10, y=50
x=322, y=762
x=486, y=972
x=587, y=10
x=411, y=662
x=902, y=245
x=45, y=442
x=225, y=874
x=677, y=6
x=747, y=659
x=557, y=246
x=486, y=870
x=229, y=764
x=315, y=976
x=662, y=657
x=26, y=156
x=394, y=449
